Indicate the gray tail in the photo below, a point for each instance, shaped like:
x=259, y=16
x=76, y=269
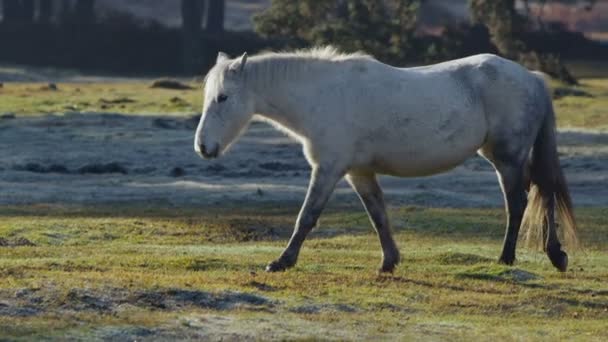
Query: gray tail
x=547, y=188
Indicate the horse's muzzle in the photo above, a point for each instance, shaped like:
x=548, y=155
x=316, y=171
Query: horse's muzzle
x=206, y=152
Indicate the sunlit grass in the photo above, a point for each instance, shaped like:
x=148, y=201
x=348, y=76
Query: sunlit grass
x=126, y=97
x=447, y=285
x=138, y=98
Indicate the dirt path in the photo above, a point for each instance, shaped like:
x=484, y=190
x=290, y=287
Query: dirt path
x=92, y=158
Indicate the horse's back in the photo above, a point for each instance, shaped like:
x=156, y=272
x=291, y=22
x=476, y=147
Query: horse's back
x=437, y=116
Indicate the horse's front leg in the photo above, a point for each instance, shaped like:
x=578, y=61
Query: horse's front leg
x=322, y=183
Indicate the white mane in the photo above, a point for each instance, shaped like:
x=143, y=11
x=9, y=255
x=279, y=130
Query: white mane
x=323, y=53
x=268, y=66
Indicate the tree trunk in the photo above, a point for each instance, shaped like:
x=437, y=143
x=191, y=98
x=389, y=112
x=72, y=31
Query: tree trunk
x=27, y=11
x=192, y=16
x=45, y=13
x=215, y=16
x=84, y=10
x=10, y=11
x=65, y=13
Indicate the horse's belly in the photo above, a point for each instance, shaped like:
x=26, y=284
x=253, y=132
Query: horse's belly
x=416, y=167
x=428, y=154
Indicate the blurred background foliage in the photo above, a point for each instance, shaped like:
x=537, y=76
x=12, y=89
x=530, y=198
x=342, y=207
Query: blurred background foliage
x=85, y=35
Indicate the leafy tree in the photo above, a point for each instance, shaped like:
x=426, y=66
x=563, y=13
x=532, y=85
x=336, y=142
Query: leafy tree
x=503, y=22
x=384, y=28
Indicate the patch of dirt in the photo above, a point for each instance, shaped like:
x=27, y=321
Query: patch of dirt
x=499, y=274
x=36, y=301
x=453, y=258
x=18, y=242
x=170, y=84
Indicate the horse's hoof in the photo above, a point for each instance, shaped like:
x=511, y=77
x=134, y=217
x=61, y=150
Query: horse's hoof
x=506, y=260
x=559, y=259
x=387, y=267
x=277, y=266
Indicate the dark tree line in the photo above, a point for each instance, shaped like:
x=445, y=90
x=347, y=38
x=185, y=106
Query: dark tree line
x=195, y=13
x=199, y=17
x=386, y=29
x=25, y=12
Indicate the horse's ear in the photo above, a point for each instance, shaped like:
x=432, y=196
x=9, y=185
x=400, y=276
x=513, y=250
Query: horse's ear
x=239, y=64
x=221, y=57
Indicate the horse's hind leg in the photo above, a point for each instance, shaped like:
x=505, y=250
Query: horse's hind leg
x=514, y=190
x=553, y=247
x=371, y=196
x=511, y=175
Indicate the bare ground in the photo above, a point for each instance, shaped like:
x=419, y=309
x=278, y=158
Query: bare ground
x=112, y=158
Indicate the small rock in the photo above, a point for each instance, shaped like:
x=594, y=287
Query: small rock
x=177, y=172
x=260, y=192
x=3, y=242
x=7, y=116
x=52, y=86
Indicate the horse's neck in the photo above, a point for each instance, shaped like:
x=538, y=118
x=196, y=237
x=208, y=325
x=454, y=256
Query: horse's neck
x=280, y=89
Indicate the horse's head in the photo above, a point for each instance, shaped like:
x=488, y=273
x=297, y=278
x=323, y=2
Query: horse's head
x=228, y=107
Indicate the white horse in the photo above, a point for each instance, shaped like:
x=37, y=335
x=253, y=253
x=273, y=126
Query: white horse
x=357, y=117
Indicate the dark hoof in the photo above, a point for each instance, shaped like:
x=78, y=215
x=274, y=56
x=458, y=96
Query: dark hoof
x=278, y=266
x=387, y=268
x=388, y=264
x=506, y=260
x=559, y=259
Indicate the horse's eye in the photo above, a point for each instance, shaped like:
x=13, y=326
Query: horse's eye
x=222, y=98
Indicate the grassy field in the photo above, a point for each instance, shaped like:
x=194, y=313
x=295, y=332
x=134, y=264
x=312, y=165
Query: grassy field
x=128, y=272
x=587, y=109
x=137, y=272
x=137, y=97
